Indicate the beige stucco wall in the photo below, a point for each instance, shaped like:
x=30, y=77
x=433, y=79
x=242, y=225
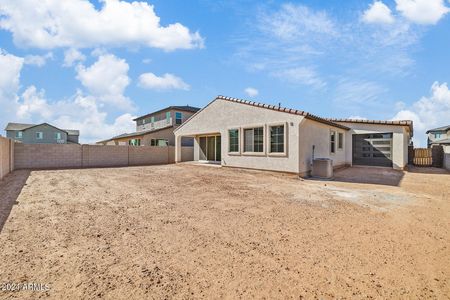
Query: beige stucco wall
x=6, y=156
x=447, y=157
x=400, y=140
x=318, y=134
x=222, y=115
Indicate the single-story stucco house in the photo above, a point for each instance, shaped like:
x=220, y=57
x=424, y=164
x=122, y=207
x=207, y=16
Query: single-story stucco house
x=246, y=134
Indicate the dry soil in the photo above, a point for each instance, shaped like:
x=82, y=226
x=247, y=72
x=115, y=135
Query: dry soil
x=186, y=231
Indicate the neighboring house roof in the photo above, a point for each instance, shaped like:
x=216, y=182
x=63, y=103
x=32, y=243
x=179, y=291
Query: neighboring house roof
x=443, y=128
x=271, y=107
x=23, y=126
x=137, y=133
x=408, y=123
x=446, y=141
x=182, y=108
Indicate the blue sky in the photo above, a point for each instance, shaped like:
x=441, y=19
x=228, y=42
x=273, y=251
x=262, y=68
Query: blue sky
x=95, y=65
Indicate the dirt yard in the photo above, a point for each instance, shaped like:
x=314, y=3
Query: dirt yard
x=186, y=231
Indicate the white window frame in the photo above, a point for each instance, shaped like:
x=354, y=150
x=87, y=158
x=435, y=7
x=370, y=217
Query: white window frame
x=155, y=142
x=263, y=153
x=239, y=141
x=58, y=136
x=285, y=139
x=329, y=137
x=39, y=135
x=19, y=134
x=341, y=147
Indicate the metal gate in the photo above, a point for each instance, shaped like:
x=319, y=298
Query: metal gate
x=373, y=149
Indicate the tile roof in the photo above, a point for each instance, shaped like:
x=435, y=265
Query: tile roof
x=408, y=123
x=285, y=110
x=182, y=108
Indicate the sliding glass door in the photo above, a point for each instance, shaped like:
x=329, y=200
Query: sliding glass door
x=210, y=148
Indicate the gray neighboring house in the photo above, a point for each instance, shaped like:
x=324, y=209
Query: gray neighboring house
x=439, y=136
x=41, y=134
x=156, y=128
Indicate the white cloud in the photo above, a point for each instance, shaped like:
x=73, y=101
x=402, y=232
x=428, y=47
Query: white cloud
x=428, y=112
x=357, y=95
x=165, y=82
x=107, y=79
x=72, y=56
x=251, y=92
x=38, y=60
x=33, y=102
x=378, y=12
x=357, y=118
x=302, y=75
x=422, y=11
x=78, y=24
x=292, y=21
x=11, y=66
x=83, y=112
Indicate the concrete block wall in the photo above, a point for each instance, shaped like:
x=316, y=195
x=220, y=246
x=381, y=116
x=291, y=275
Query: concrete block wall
x=104, y=156
x=149, y=155
x=47, y=156
x=6, y=156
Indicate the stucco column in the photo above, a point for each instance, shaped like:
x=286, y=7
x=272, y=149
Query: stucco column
x=177, y=148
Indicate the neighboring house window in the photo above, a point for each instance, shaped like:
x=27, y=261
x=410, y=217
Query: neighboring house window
x=178, y=118
x=233, y=136
x=58, y=135
x=19, y=134
x=333, y=142
x=437, y=135
x=159, y=142
x=134, y=142
x=254, y=139
x=39, y=135
x=340, y=140
x=277, y=139
x=168, y=117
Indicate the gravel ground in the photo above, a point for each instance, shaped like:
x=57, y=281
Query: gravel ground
x=185, y=231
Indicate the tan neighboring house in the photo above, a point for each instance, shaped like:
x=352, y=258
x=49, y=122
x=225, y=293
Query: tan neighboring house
x=156, y=129
x=240, y=133
x=439, y=136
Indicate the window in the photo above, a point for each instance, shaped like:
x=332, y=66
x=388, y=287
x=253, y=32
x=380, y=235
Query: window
x=143, y=121
x=19, y=134
x=134, y=142
x=58, y=135
x=39, y=135
x=340, y=140
x=277, y=139
x=152, y=119
x=233, y=138
x=254, y=139
x=333, y=142
x=437, y=135
x=168, y=117
x=159, y=142
x=178, y=118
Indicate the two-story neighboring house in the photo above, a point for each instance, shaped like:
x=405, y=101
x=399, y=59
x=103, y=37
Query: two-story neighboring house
x=439, y=136
x=156, y=128
x=41, y=134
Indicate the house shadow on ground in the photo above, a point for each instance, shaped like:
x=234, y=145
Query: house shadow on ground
x=370, y=175
x=10, y=189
